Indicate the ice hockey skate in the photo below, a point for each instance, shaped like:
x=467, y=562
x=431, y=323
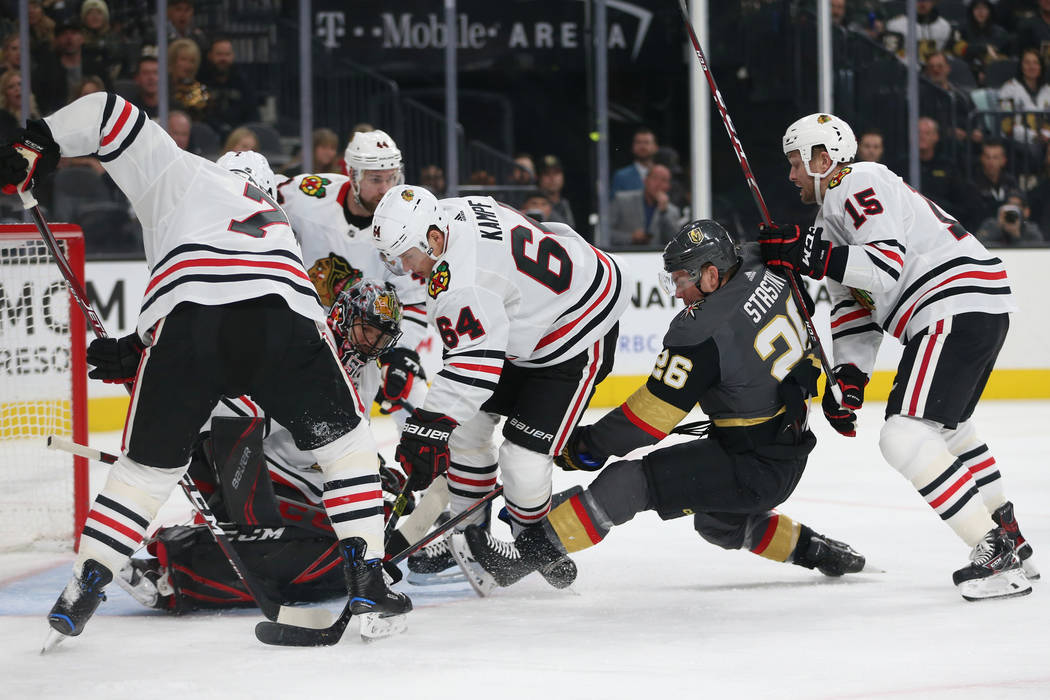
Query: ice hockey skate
x=434, y=565
x=77, y=603
x=489, y=561
x=1004, y=518
x=831, y=557
x=146, y=582
x=994, y=570
x=381, y=611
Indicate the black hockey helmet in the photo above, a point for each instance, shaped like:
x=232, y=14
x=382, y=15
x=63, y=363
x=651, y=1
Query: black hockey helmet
x=376, y=313
x=698, y=243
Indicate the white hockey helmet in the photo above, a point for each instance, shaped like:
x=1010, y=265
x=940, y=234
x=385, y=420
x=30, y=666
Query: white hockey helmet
x=402, y=220
x=372, y=150
x=826, y=130
x=251, y=166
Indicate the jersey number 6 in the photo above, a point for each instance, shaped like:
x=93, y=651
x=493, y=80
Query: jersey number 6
x=539, y=268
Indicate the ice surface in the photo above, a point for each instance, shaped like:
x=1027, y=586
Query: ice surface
x=656, y=612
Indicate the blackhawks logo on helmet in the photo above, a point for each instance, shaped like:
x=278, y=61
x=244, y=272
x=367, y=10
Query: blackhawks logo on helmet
x=314, y=186
x=834, y=182
x=439, y=280
x=332, y=275
x=823, y=119
x=407, y=195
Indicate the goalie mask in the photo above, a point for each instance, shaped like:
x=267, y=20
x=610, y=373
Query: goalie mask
x=698, y=244
x=251, y=166
x=365, y=320
x=825, y=130
x=401, y=222
x=372, y=150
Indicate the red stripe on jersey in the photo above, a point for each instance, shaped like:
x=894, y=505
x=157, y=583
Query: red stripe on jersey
x=851, y=316
x=990, y=462
x=936, y=503
x=888, y=253
x=251, y=406
x=931, y=341
x=470, y=482
x=633, y=417
x=767, y=536
x=975, y=274
x=341, y=197
x=415, y=310
x=121, y=121
x=116, y=525
x=476, y=368
x=352, y=498
x=226, y=262
x=551, y=337
x=585, y=519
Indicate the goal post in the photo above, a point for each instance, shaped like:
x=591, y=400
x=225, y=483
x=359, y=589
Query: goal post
x=43, y=390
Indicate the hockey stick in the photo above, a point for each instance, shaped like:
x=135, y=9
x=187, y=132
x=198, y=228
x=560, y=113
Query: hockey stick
x=280, y=634
x=756, y=194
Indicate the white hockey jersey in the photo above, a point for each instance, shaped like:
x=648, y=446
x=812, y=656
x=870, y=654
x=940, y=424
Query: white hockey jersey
x=909, y=263
x=509, y=289
x=210, y=237
x=338, y=253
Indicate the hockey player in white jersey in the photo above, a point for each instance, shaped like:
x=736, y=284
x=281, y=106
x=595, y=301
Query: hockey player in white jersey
x=228, y=310
x=897, y=263
x=331, y=215
x=528, y=316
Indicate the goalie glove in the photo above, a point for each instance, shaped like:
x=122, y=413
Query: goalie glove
x=575, y=457
x=423, y=451
x=31, y=157
x=851, y=382
x=400, y=367
x=116, y=360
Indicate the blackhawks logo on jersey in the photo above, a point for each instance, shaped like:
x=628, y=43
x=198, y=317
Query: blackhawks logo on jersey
x=863, y=298
x=439, y=280
x=332, y=275
x=314, y=186
x=834, y=182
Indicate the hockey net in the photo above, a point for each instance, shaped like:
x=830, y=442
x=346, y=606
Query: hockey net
x=43, y=390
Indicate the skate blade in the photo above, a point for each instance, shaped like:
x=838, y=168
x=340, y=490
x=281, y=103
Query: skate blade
x=1005, y=584
x=450, y=575
x=313, y=618
x=375, y=627
x=54, y=638
x=480, y=580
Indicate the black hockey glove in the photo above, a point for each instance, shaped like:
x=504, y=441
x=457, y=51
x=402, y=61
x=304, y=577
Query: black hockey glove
x=116, y=360
x=575, y=455
x=32, y=156
x=400, y=367
x=393, y=480
x=788, y=247
x=851, y=382
x=799, y=385
x=423, y=450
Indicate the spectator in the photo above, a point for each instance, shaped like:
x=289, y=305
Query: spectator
x=482, y=178
x=1039, y=196
x=75, y=64
x=100, y=42
x=679, y=193
x=869, y=146
x=41, y=29
x=231, y=97
x=643, y=148
x=90, y=84
x=1026, y=92
x=433, y=178
x=981, y=38
x=241, y=139
x=181, y=24
x=936, y=70
x=11, y=105
x=11, y=58
x=524, y=172
x=940, y=180
x=871, y=22
x=934, y=33
x=551, y=183
x=646, y=216
x=1034, y=32
x=992, y=181
x=187, y=93
x=1011, y=226
x=326, y=154
x=536, y=206
x=179, y=126
x=146, y=95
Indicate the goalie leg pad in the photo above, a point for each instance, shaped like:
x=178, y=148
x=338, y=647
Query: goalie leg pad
x=916, y=448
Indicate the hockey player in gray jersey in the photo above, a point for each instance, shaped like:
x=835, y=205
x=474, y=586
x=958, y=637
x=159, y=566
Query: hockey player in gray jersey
x=738, y=350
x=896, y=263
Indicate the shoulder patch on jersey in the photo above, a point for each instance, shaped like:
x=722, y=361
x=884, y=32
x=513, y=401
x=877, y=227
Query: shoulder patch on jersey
x=863, y=298
x=314, y=186
x=331, y=275
x=834, y=182
x=439, y=279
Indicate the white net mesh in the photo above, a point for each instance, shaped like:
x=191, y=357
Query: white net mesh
x=36, y=484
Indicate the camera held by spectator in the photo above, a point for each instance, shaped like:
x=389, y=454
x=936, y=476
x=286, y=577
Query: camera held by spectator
x=1011, y=225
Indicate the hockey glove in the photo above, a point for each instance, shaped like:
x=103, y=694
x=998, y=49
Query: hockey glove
x=423, y=450
x=393, y=480
x=116, y=361
x=400, y=367
x=851, y=381
x=789, y=248
x=32, y=156
x=575, y=456
x=798, y=386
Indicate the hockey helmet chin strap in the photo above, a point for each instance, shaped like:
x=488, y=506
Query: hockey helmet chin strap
x=817, y=177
